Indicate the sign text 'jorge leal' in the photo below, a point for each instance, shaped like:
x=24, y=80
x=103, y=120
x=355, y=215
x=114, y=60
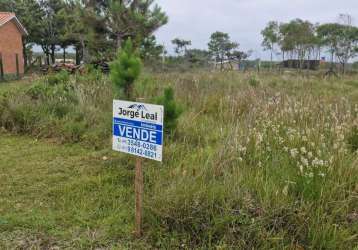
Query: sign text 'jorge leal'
x=138, y=129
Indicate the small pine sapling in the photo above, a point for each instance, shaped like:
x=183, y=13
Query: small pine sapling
x=172, y=110
x=125, y=70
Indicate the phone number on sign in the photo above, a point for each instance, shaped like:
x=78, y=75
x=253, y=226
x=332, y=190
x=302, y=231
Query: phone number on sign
x=142, y=148
x=144, y=145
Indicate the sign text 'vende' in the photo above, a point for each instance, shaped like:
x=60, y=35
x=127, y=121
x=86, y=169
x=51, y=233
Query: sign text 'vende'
x=138, y=129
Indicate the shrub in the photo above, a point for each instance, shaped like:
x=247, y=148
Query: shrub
x=172, y=110
x=37, y=91
x=70, y=112
x=61, y=77
x=254, y=82
x=91, y=74
x=73, y=131
x=22, y=118
x=126, y=69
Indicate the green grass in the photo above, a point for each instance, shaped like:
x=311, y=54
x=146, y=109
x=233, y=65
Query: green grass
x=257, y=162
x=15, y=85
x=63, y=196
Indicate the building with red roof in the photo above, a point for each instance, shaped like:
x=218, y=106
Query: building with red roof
x=11, y=48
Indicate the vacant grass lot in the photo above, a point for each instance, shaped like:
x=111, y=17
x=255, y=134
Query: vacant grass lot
x=62, y=196
x=257, y=162
x=16, y=85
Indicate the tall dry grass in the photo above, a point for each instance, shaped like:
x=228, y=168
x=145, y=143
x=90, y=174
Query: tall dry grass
x=257, y=162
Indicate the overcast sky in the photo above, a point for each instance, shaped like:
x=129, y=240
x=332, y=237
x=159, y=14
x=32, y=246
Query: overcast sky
x=195, y=20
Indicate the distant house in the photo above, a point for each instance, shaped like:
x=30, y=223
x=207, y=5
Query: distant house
x=11, y=49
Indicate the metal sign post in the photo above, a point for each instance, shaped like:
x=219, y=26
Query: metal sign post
x=138, y=130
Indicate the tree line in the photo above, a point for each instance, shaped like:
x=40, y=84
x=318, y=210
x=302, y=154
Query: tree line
x=94, y=28
x=302, y=40
x=97, y=28
x=221, y=50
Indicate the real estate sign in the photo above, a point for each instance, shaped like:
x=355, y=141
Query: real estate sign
x=138, y=129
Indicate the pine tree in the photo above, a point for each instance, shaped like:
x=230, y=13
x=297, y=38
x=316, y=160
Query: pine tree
x=125, y=70
x=172, y=110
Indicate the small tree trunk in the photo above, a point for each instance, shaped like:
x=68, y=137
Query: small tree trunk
x=128, y=90
x=76, y=55
x=47, y=55
x=319, y=54
x=64, y=54
x=53, y=59
x=78, y=49
x=85, y=55
x=343, y=68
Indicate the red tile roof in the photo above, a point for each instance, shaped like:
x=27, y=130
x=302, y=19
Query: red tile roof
x=7, y=17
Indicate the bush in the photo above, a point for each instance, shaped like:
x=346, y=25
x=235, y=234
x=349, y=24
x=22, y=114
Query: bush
x=73, y=131
x=69, y=112
x=61, y=77
x=172, y=110
x=19, y=117
x=126, y=69
x=254, y=82
x=37, y=91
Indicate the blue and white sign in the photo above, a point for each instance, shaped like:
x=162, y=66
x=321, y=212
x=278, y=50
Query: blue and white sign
x=138, y=129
